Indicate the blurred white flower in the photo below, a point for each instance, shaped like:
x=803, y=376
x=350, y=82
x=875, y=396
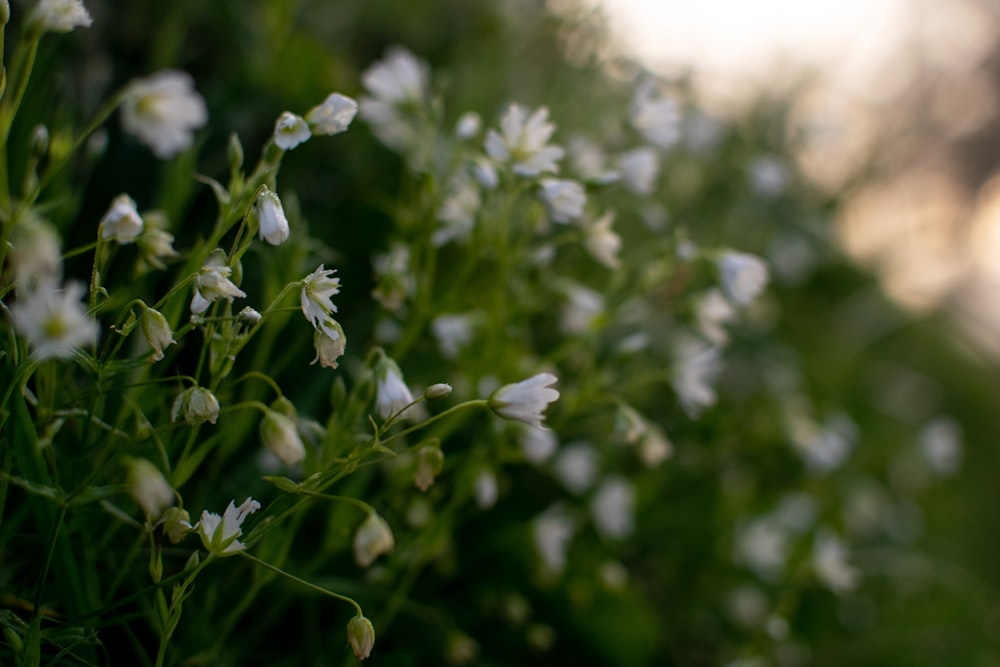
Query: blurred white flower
x=769, y=175
x=582, y=310
x=290, y=130
x=655, y=116
x=468, y=125
x=552, y=531
x=148, y=487
x=330, y=343
x=398, y=86
x=453, y=332
x=563, y=199
x=655, y=447
x=219, y=535
x=395, y=281
x=53, y=320
x=523, y=142
x=273, y=225
x=613, y=508
x=487, y=489
x=213, y=283
x=391, y=394
x=484, y=173
x=196, y=405
x=762, y=545
x=639, y=169
x=589, y=162
x=35, y=253
x=712, y=311
x=602, y=242
x=696, y=366
x=525, y=400
x=156, y=331
x=333, y=116
x=940, y=443
x=163, y=110
x=576, y=466
x=281, y=438
x=829, y=560
x=60, y=15
x=825, y=447
x=317, y=289
x=744, y=276
x=372, y=539
x=122, y=221
x=155, y=243
x=537, y=445
x=458, y=211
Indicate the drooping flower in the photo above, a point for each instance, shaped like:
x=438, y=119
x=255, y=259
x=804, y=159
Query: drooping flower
x=157, y=332
x=219, y=535
x=523, y=142
x=564, y=199
x=122, y=222
x=639, y=168
x=329, y=342
x=163, y=110
x=59, y=15
x=655, y=116
x=53, y=320
x=602, y=242
x=317, y=289
x=281, y=438
x=744, y=276
x=196, y=405
x=148, y=487
x=361, y=636
x=391, y=394
x=373, y=538
x=525, y=400
x=155, y=243
x=290, y=130
x=696, y=365
x=430, y=461
x=213, y=283
x=333, y=116
x=712, y=311
x=273, y=225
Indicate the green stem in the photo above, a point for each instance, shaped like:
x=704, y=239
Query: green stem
x=479, y=402
x=307, y=584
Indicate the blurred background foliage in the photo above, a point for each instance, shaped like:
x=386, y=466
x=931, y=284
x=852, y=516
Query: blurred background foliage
x=930, y=576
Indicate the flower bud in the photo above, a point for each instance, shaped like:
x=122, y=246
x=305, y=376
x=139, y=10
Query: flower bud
x=250, y=315
x=122, y=221
x=148, y=487
x=176, y=524
x=439, y=390
x=273, y=225
x=196, y=405
x=235, y=152
x=430, y=461
x=361, y=636
x=280, y=437
x=157, y=332
x=374, y=538
x=39, y=141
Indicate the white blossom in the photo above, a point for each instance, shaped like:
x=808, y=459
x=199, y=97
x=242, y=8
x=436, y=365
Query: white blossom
x=273, y=225
x=333, y=116
x=453, y=332
x=290, y=130
x=468, y=125
x=213, y=283
x=122, y=222
x=940, y=443
x=155, y=244
x=458, y=211
x=712, y=312
x=53, y=320
x=769, y=175
x=219, y=535
x=577, y=466
x=525, y=400
x=602, y=242
x=329, y=341
x=589, y=162
x=582, y=311
x=829, y=561
x=613, y=508
x=196, y=405
x=744, y=276
x=552, y=531
x=157, y=332
x=537, y=445
x=148, y=487
x=35, y=253
x=487, y=489
x=655, y=116
x=372, y=539
x=281, y=438
x=696, y=366
x=60, y=15
x=639, y=169
x=563, y=199
x=391, y=393
x=317, y=289
x=163, y=110
x=523, y=142
x=397, y=86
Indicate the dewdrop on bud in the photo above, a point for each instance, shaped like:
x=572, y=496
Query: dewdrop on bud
x=361, y=636
x=148, y=487
x=374, y=538
x=435, y=391
x=196, y=405
x=157, y=332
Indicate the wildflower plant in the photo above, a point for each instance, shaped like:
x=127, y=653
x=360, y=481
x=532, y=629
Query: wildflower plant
x=540, y=344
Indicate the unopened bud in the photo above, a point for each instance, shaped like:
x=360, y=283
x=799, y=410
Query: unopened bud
x=196, y=405
x=176, y=524
x=374, y=538
x=280, y=437
x=157, y=332
x=250, y=315
x=361, y=636
x=439, y=390
x=148, y=487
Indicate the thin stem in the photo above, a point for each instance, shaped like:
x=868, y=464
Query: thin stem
x=479, y=402
x=307, y=584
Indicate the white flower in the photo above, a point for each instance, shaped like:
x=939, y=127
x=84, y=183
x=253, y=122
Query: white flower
x=196, y=405
x=317, y=289
x=769, y=175
x=712, y=311
x=639, y=168
x=213, y=283
x=163, y=111
x=329, y=342
x=373, y=538
x=589, y=162
x=762, y=545
x=577, y=466
x=290, y=130
x=655, y=116
x=602, y=242
x=361, y=636
x=523, y=142
x=829, y=560
x=391, y=393
x=148, y=487
x=552, y=531
x=157, y=332
x=564, y=199
x=430, y=461
x=537, y=444
x=613, y=508
x=281, y=438
x=655, y=447
x=696, y=365
x=486, y=489
x=453, y=333
x=154, y=245
x=219, y=534
x=60, y=15
x=250, y=315
x=525, y=400
x=582, y=311
x=35, y=253
x=333, y=116
x=53, y=320
x=458, y=211
x=271, y=218
x=744, y=276
x=398, y=78
x=468, y=125
x=122, y=221
x=941, y=445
